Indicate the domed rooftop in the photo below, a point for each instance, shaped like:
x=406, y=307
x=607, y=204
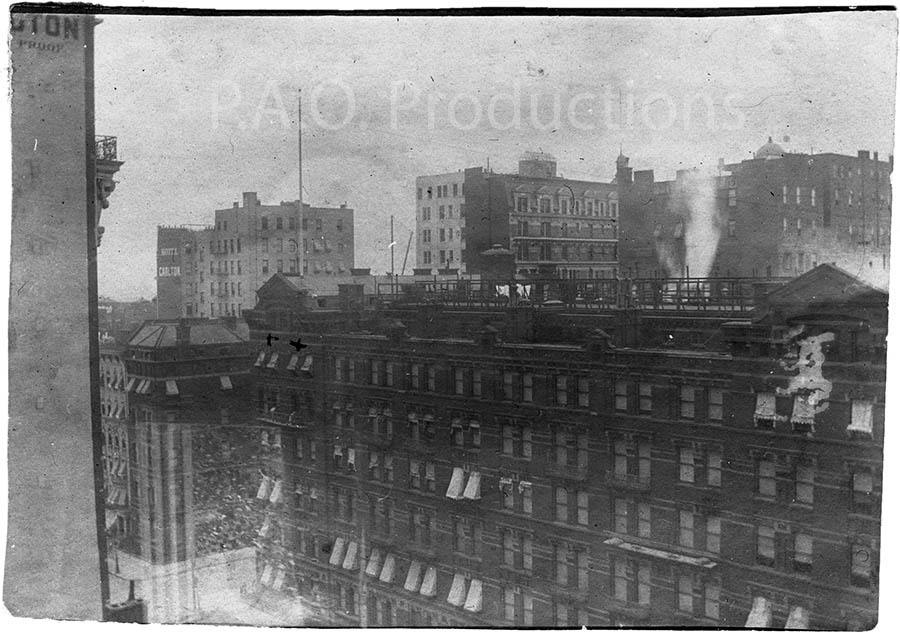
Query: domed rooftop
x=769, y=150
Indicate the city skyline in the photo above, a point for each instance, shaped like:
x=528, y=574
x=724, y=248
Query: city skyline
x=223, y=119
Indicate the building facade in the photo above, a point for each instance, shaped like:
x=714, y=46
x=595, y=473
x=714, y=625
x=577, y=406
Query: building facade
x=554, y=226
x=192, y=457
x=442, y=468
x=777, y=214
x=215, y=271
x=440, y=219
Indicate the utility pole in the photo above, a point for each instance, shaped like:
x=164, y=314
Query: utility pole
x=393, y=289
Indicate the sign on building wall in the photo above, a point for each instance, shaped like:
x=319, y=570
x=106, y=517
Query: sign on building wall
x=52, y=563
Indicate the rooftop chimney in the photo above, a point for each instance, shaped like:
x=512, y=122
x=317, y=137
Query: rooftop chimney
x=863, y=154
x=250, y=199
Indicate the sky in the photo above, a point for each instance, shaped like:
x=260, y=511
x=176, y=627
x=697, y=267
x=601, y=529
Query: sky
x=205, y=108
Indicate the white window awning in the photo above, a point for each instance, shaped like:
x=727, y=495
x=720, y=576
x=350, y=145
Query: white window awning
x=307, y=365
x=279, y=580
x=292, y=364
x=129, y=385
x=266, y=526
x=351, y=457
x=338, y=450
x=266, y=577
x=765, y=407
x=523, y=486
x=804, y=412
x=473, y=487
x=429, y=583
x=337, y=552
x=351, y=560
x=861, y=417
x=457, y=595
x=760, y=616
x=388, y=570
x=413, y=576
x=276, y=496
x=263, y=492
x=225, y=382
x=260, y=359
x=474, y=599
x=455, y=489
x=374, y=565
x=798, y=619
x=111, y=518
x=373, y=459
x=273, y=361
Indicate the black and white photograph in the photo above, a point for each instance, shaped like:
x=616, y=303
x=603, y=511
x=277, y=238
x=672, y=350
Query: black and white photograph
x=450, y=317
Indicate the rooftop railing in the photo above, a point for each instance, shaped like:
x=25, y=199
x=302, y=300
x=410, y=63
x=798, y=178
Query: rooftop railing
x=713, y=294
x=105, y=148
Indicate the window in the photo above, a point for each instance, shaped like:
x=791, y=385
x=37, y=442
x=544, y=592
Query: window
x=431, y=378
x=784, y=194
x=562, y=390
x=264, y=223
x=711, y=593
x=765, y=545
x=714, y=468
x=582, y=500
x=797, y=200
x=528, y=388
x=621, y=395
x=265, y=265
x=862, y=483
x=319, y=225
x=686, y=529
x=508, y=378
x=561, y=555
x=562, y=447
x=804, y=484
x=620, y=516
x=620, y=458
x=562, y=504
x=714, y=408
x=812, y=197
x=688, y=397
x=713, y=534
x=803, y=552
x=545, y=229
x=766, y=475
x=644, y=526
x=732, y=197
x=685, y=593
x=584, y=394
x=686, y=464
x=646, y=397
x=476, y=382
x=415, y=475
x=459, y=381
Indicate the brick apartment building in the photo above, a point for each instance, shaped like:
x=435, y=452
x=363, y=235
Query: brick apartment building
x=437, y=466
x=777, y=214
x=554, y=226
x=215, y=271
